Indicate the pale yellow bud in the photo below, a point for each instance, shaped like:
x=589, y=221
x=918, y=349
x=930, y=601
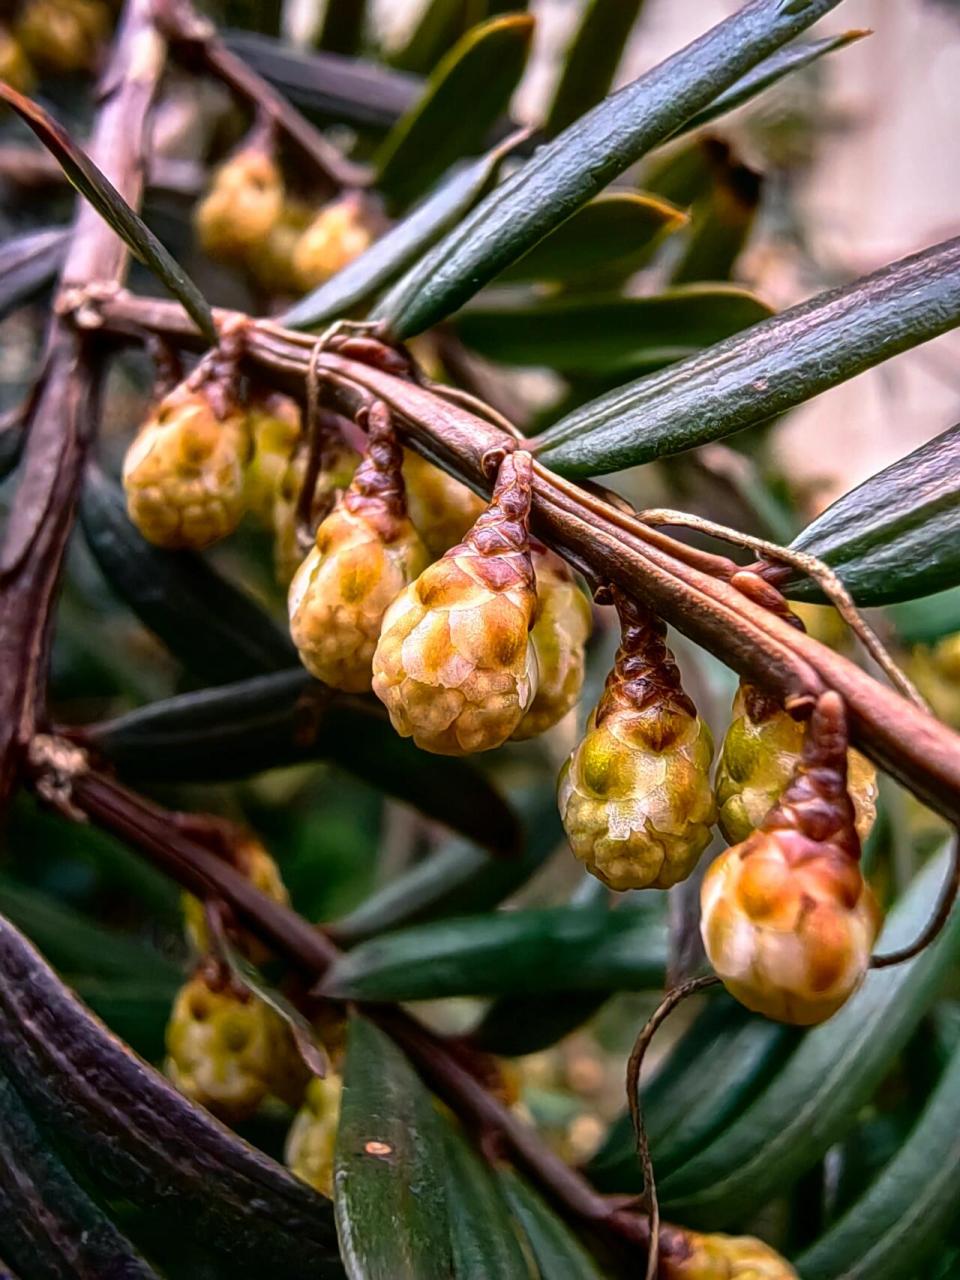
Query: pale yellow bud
x=270, y=260
x=760, y=750
x=222, y=1046
x=15, y=66
x=243, y=206
x=63, y=36
x=936, y=673
x=559, y=637
x=337, y=472
x=339, y=233
x=719, y=1257
x=184, y=472
x=313, y=1135
x=274, y=422
x=367, y=551
x=635, y=795
x=787, y=919
x=442, y=509
x=455, y=666
x=244, y=852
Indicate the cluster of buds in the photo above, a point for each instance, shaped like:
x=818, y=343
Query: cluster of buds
x=455, y=665
x=366, y=552
x=227, y=1049
x=185, y=473
x=57, y=37
x=635, y=795
x=787, y=919
x=248, y=218
x=690, y=1255
x=760, y=751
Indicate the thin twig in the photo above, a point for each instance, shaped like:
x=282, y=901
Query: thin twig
x=945, y=903
x=634, y=1065
x=822, y=575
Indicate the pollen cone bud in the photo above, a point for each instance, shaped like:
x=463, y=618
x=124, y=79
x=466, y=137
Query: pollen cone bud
x=760, y=750
x=223, y=1045
x=313, y=1134
x=242, y=208
x=340, y=232
x=635, y=795
x=719, y=1257
x=455, y=666
x=559, y=636
x=246, y=854
x=366, y=552
x=442, y=509
x=184, y=474
x=274, y=422
x=787, y=919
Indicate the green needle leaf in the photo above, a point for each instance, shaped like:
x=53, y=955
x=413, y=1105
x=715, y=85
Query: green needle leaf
x=583, y=159
x=97, y=188
x=766, y=370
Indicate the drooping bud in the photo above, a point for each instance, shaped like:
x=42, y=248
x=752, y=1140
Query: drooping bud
x=367, y=551
x=243, y=206
x=455, y=666
x=760, y=750
x=559, y=637
x=63, y=37
x=224, y=1044
x=184, y=474
x=787, y=919
x=313, y=1134
x=337, y=468
x=270, y=261
x=244, y=852
x=693, y=1256
x=635, y=795
x=274, y=421
x=442, y=509
x=15, y=68
x=340, y=232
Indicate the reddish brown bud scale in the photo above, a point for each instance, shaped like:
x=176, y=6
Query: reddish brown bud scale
x=787, y=919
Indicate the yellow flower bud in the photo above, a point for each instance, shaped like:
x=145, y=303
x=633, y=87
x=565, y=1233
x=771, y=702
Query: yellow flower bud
x=760, y=750
x=936, y=673
x=270, y=260
x=313, y=1134
x=242, y=207
x=559, y=636
x=635, y=795
x=15, y=66
x=223, y=1044
x=787, y=919
x=688, y=1255
x=442, y=509
x=274, y=422
x=455, y=666
x=340, y=232
x=63, y=36
x=366, y=552
x=246, y=854
x=184, y=472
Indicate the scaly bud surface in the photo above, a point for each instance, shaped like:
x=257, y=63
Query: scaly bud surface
x=184, y=474
x=635, y=795
x=223, y=1045
x=274, y=422
x=367, y=551
x=760, y=750
x=313, y=1134
x=339, y=233
x=455, y=666
x=559, y=637
x=442, y=509
x=786, y=917
x=720, y=1257
x=242, y=208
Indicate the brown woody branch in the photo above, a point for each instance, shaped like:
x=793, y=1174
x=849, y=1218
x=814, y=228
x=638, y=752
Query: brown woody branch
x=59, y=423
x=196, y=868
x=689, y=589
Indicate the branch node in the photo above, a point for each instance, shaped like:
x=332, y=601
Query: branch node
x=55, y=764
